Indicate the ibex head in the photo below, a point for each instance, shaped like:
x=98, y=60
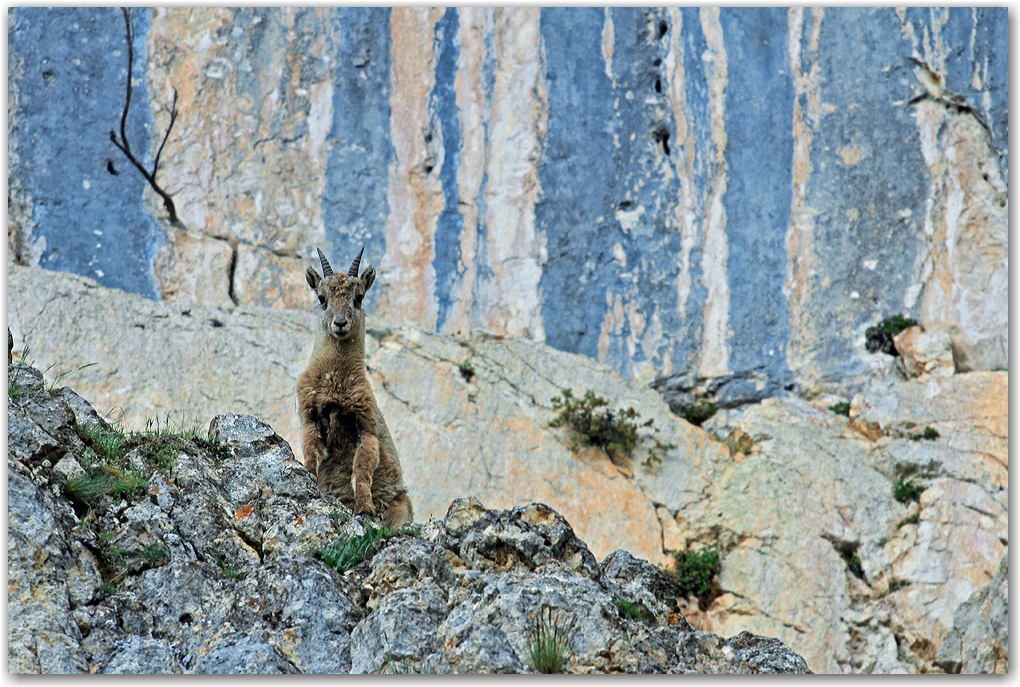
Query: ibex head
x=340, y=296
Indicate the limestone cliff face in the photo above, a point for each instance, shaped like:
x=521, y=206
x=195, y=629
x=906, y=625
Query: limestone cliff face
x=687, y=194
x=816, y=550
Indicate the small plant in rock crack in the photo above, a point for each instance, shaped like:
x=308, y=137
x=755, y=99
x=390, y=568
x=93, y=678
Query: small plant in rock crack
x=929, y=434
x=549, y=642
x=896, y=584
x=906, y=491
x=467, y=370
x=591, y=422
x=694, y=574
x=696, y=413
x=841, y=408
x=912, y=520
x=154, y=554
x=347, y=552
x=630, y=608
x=880, y=337
x=230, y=571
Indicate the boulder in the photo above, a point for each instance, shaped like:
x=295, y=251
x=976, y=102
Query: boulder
x=926, y=351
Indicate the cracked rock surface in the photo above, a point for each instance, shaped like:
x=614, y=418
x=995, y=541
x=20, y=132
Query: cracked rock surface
x=210, y=568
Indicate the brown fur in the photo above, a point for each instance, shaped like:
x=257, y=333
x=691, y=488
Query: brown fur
x=346, y=442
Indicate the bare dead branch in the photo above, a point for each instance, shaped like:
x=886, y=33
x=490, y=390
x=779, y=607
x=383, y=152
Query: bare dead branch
x=125, y=147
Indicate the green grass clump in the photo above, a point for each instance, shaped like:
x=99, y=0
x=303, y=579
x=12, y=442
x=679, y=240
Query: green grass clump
x=346, y=553
x=694, y=572
x=895, y=584
x=154, y=554
x=97, y=484
x=631, y=609
x=230, y=571
x=699, y=411
x=880, y=337
x=467, y=370
x=912, y=520
x=930, y=434
x=548, y=643
x=841, y=408
x=906, y=491
x=591, y=422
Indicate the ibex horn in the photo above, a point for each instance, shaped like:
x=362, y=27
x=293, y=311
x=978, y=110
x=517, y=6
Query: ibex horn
x=356, y=264
x=327, y=271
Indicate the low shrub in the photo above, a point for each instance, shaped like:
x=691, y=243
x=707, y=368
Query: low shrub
x=699, y=411
x=896, y=584
x=841, y=408
x=906, y=491
x=694, y=573
x=880, y=337
x=591, y=422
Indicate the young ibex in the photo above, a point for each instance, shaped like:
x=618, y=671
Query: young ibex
x=346, y=442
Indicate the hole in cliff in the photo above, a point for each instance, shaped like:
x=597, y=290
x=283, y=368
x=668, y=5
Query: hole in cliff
x=185, y=619
x=661, y=134
x=428, y=169
x=658, y=85
x=663, y=28
x=216, y=323
x=656, y=62
x=625, y=204
x=848, y=552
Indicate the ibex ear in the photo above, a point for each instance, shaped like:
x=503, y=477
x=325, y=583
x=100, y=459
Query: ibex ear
x=313, y=277
x=368, y=277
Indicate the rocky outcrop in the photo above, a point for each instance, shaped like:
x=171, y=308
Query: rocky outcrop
x=211, y=567
x=593, y=178
x=789, y=492
x=979, y=639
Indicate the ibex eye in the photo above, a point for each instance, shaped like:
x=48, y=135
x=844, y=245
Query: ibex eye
x=322, y=301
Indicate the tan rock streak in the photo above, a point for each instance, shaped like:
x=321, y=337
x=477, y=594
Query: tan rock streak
x=714, y=354
x=246, y=161
x=800, y=234
x=516, y=249
x=685, y=155
x=415, y=195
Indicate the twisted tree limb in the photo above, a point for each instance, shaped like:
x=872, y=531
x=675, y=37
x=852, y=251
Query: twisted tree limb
x=125, y=146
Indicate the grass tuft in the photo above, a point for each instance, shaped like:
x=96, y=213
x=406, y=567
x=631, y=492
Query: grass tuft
x=467, y=370
x=230, y=571
x=346, y=553
x=912, y=520
x=548, y=643
x=841, y=408
x=97, y=484
x=631, y=609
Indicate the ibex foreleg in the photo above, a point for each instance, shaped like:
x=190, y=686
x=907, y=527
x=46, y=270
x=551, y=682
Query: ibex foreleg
x=366, y=459
x=313, y=446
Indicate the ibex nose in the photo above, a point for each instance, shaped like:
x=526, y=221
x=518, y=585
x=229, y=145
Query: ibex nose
x=341, y=325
